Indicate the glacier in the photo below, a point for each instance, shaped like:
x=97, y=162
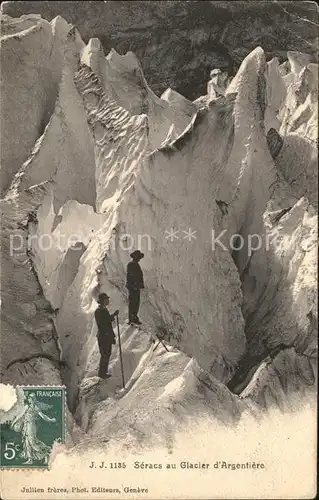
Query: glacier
x=92, y=159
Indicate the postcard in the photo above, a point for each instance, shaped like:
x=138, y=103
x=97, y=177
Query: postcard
x=159, y=214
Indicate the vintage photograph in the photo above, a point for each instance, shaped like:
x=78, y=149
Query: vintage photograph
x=159, y=215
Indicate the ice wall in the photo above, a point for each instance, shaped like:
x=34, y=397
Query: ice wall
x=32, y=55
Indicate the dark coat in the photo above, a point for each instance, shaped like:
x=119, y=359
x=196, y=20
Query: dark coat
x=104, y=323
x=134, y=277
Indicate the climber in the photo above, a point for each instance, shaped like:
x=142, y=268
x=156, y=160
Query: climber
x=105, y=334
x=134, y=283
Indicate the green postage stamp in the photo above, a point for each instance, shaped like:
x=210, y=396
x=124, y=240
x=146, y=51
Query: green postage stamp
x=38, y=421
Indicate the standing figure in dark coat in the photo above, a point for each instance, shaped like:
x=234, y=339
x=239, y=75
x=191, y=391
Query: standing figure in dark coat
x=105, y=334
x=134, y=283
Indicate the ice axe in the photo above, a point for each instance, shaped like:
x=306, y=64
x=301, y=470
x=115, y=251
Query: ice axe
x=120, y=349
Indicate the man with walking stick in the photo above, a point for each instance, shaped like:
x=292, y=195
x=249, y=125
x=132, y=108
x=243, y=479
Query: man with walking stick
x=120, y=350
x=105, y=334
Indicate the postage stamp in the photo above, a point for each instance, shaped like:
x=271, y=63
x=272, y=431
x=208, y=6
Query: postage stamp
x=27, y=436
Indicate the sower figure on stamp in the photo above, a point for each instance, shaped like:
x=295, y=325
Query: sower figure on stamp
x=105, y=334
x=33, y=448
x=134, y=283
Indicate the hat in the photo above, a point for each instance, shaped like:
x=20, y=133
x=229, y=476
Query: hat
x=137, y=253
x=102, y=296
x=215, y=71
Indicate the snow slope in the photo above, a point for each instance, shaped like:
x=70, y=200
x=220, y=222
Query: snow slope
x=171, y=390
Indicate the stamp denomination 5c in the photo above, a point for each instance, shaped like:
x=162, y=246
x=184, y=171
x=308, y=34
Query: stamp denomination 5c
x=28, y=436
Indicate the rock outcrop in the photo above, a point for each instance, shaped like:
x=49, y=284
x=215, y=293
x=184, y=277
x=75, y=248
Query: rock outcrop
x=274, y=142
x=30, y=353
x=179, y=43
